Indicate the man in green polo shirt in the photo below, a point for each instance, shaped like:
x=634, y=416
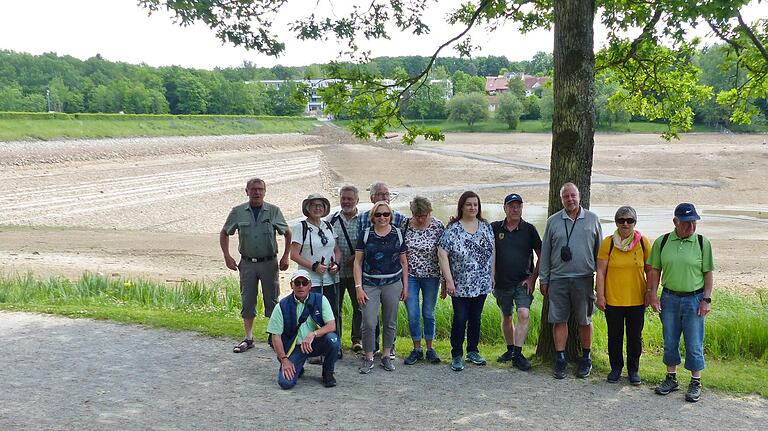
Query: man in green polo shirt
x=683, y=261
x=256, y=223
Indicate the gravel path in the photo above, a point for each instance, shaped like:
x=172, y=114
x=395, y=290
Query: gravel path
x=61, y=373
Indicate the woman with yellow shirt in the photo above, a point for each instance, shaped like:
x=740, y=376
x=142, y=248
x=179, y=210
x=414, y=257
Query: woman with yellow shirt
x=621, y=275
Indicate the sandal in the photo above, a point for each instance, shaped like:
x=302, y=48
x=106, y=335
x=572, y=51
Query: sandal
x=243, y=346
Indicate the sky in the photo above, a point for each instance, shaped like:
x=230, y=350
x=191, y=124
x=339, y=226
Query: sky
x=120, y=30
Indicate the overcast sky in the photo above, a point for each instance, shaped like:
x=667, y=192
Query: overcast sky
x=120, y=30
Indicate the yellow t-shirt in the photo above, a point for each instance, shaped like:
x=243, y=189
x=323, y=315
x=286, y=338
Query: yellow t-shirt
x=625, y=280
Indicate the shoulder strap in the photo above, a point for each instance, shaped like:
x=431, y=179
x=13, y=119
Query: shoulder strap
x=366, y=235
x=701, y=244
x=610, y=249
x=399, y=236
x=304, y=230
x=337, y=218
x=406, y=224
x=663, y=241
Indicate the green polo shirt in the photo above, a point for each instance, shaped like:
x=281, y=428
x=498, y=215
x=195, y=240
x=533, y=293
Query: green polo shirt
x=257, y=237
x=682, y=263
x=275, y=325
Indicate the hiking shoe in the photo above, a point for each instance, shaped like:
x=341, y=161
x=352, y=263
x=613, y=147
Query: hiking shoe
x=475, y=358
x=634, y=378
x=357, y=347
x=506, y=356
x=667, y=386
x=457, y=363
x=614, y=376
x=366, y=366
x=316, y=360
x=392, y=353
x=585, y=368
x=559, y=372
x=386, y=363
x=328, y=380
x=694, y=391
x=432, y=356
x=415, y=355
x=521, y=363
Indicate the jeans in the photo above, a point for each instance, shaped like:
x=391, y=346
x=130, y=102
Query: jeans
x=429, y=288
x=327, y=345
x=466, y=317
x=347, y=284
x=679, y=314
x=331, y=293
x=634, y=319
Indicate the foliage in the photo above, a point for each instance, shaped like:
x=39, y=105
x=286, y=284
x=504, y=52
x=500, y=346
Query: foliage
x=516, y=86
x=427, y=102
x=547, y=104
x=465, y=83
x=541, y=64
x=509, y=109
x=531, y=108
x=468, y=107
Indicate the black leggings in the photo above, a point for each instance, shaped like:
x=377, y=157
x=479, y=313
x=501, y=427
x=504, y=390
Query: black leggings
x=617, y=318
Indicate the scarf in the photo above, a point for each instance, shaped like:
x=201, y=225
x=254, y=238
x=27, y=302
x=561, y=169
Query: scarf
x=626, y=244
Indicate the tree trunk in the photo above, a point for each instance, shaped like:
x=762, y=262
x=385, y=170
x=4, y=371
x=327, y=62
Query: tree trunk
x=573, y=128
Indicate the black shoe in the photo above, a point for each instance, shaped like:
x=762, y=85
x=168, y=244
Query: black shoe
x=667, y=386
x=585, y=367
x=415, y=355
x=340, y=355
x=506, y=357
x=328, y=380
x=614, y=376
x=694, y=391
x=521, y=362
x=634, y=378
x=559, y=372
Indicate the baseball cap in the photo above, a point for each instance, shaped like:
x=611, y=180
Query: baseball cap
x=686, y=212
x=513, y=197
x=299, y=273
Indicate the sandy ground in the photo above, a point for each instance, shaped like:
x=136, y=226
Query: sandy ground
x=152, y=207
x=66, y=374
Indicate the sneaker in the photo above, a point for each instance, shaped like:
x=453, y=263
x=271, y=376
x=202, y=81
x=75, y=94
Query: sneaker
x=475, y=358
x=634, y=378
x=559, y=372
x=357, y=347
x=392, y=353
x=415, y=355
x=457, y=363
x=328, y=380
x=366, y=366
x=316, y=360
x=694, y=391
x=506, y=357
x=521, y=363
x=585, y=368
x=614, y=376
x=432, y=356
x=667, y=386
x=386, y=363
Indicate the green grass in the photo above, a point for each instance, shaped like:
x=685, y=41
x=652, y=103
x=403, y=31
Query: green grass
x=736, y=344
x=24, y=126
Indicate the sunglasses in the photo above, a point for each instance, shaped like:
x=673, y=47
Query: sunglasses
x=625, y=221
x=384, y=214
x=301, y=282
x=323, y=238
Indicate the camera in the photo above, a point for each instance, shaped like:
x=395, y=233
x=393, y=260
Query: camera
x=565, y=254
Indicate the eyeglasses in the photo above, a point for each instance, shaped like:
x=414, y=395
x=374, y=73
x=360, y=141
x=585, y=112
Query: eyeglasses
x=301, y=282
x=323, y=238
x=625, y=221
x=318, y=205
x=384, y=214
x=385, y=194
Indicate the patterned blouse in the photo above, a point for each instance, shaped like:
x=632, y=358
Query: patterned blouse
x=422, y=249
x=470, y=257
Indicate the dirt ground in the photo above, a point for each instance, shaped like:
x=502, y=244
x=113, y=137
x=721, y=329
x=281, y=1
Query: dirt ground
x=152, y=207
x=78, y=374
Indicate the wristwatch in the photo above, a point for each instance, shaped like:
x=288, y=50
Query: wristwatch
x=707, y=300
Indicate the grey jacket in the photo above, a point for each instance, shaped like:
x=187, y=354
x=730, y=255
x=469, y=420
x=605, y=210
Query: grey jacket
x=584, y=244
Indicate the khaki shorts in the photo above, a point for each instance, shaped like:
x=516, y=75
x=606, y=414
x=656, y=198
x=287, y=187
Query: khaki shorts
x=251, y=273
x=517, y=296
x=571, y=295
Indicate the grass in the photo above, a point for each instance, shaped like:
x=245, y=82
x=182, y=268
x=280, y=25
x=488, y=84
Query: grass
x=736, y=344
x=537, y=126
x=46, y=127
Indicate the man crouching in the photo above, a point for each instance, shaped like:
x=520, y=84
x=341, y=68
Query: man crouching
x=301, y=327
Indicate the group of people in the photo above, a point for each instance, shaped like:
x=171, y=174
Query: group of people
x=381, y=257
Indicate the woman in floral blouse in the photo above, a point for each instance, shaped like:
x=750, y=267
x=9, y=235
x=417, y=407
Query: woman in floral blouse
x=466, y=253
x=422, y=234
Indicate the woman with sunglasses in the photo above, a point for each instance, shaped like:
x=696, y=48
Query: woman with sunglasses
x=381, y=266
x=621, y=276
x=466, y=253
x=314, y=249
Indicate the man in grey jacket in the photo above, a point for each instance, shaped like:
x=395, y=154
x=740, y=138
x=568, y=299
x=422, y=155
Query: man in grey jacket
x=568, y=255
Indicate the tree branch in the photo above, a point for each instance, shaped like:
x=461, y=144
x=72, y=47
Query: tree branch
x=745, y=28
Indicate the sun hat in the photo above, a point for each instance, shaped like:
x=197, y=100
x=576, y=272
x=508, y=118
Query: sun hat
x=315, y=197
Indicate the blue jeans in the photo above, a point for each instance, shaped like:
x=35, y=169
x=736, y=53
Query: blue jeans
x=679, y=314
x=428, y=287
x=466, y=317
x=328, y=345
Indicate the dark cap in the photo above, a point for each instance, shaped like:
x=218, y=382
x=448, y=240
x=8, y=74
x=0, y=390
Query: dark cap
x=513, y=197
x=686, y=212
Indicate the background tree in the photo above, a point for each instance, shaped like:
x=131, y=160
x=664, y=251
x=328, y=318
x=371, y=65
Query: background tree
x=516, y=86
x=509, y=110
x=427, y=102
x=542, y=64
x=465, y=83
x=531, y=108
x=468, y=107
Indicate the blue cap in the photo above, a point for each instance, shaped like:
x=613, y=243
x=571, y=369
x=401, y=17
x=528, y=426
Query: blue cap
x=513, y=197
x=686, y=212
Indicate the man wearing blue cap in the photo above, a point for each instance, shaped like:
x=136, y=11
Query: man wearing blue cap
x=516, y=241
x=683, y=261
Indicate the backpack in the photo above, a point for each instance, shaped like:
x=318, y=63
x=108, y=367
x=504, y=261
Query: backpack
x=397, y=230
x=335, y=219
x=305, y=229
x=666, y=237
